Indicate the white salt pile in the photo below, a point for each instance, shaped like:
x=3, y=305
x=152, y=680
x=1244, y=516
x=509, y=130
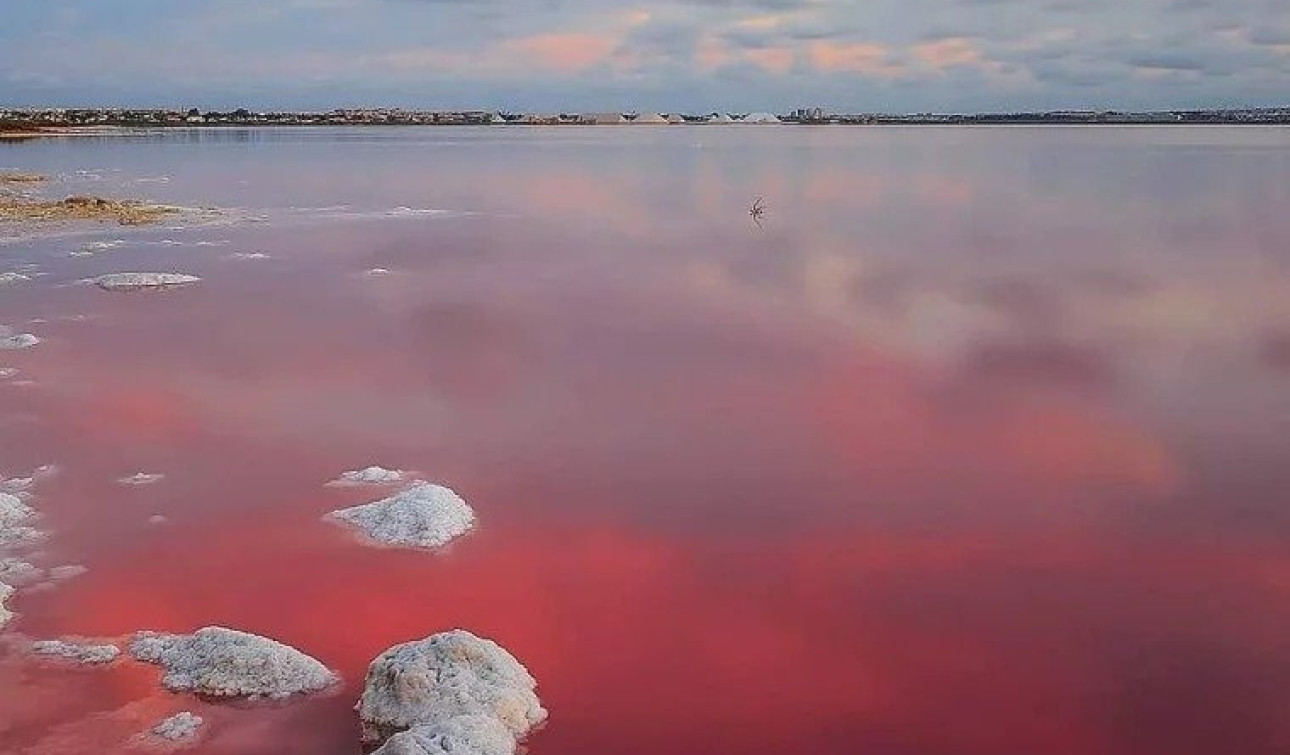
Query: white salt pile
x=177, y=728
x=62, y=573
x=15, y=519
x=223, y=662
x=137, y=281
x=374, y=475
x=5, y=614
x=423, y=516
x=451, y=692
x=18, y=341
x=90, y=655
x=464, y=735
x=141, y=478
x=247, y=256
x=18, y=572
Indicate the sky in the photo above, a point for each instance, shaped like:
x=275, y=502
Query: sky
x=674, y=55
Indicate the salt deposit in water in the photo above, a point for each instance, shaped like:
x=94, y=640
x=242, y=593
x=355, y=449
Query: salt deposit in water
x=141, y=478
x=12, y=277
x=89, y=655
x=463, y=735
x=5, y=614
x=17, y=572
x=222, y=662
x=15, y=521
x=429, y=684
x=137, y=281
x=18, y=341
x=179, y=727
x=374, y=475
x=423, y=516
x=64, y=573
x=7, y=372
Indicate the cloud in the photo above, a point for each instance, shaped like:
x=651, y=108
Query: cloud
x=674, y=54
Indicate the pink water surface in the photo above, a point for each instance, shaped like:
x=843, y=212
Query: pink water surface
x=979, y=446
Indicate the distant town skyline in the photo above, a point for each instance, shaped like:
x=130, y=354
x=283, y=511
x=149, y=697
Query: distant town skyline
x=683, y=55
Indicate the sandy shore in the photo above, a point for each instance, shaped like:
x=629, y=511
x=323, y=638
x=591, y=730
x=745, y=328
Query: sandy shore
x=124, y=212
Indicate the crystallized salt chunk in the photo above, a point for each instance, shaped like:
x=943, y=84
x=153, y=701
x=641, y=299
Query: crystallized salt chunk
x=90, y=655
x=13, y=511
x=432, y=682
x=18, y=341
x=178, y=727
x=5, y=614
x=135, y=281
x=70, y=571
x=463, y=735
x=223, y=662
x=373, y=475
x=423, y=516
x=17, y=572
x=141, y=478
x=15, y=517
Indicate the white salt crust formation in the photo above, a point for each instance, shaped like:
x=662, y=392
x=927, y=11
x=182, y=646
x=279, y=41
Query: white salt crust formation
x=374, y=475
x=15, y=519
x=137, y=281
x=5, y=613
x=423, y=516
x=18, y=572
x=178, y=728
x=221, y=662
x=429, y=685
x=463, y=735
x=141, y=478
x=89, y=655
x=19, y=341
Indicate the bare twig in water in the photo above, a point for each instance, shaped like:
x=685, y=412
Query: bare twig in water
x=757, y=211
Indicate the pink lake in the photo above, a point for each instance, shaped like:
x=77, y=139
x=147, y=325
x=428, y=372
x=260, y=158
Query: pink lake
x=979, y=445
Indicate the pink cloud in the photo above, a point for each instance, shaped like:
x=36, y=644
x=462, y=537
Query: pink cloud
x=858, y=57
x=569, y=52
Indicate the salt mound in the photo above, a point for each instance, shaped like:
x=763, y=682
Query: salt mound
x=70, y=571
x=223, y=662
x=19, y=341
x=432, y=682
x=90, y=655
x=14, y=518
x=178, y=727
x=13, y=511
x=463, y=735
x=423, y=516
x=373, y=475
x=5, y=613
x=136, y=281
x=141, y=478
x=18, y=572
